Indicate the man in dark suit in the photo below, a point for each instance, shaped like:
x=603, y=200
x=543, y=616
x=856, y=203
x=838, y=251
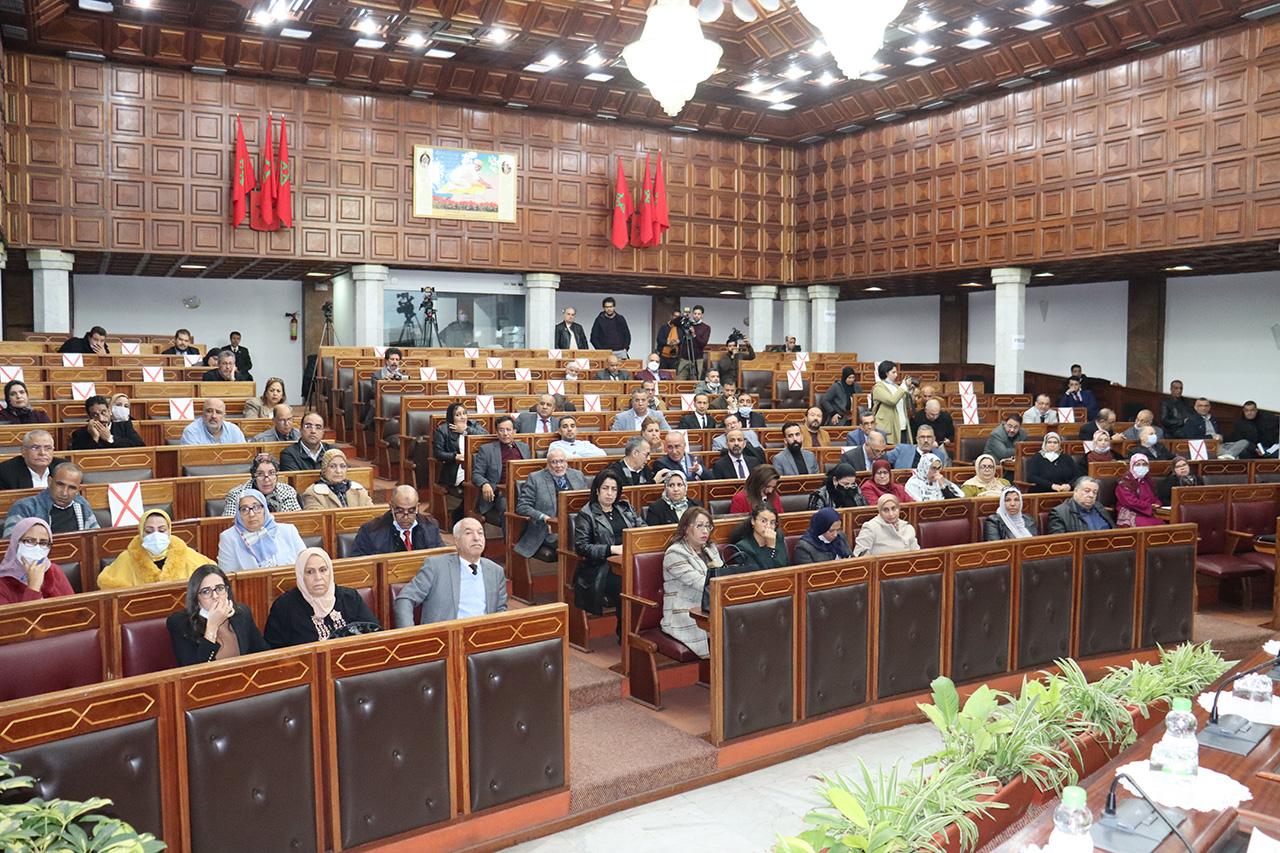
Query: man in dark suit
x=181, y=344
x=1082, y=512
x=36, y=458
x=700, y=417
x=750, y=418
x=454, y=586
x=540, y=419
x=872, y=449
x=489, y=470
x=677, y=458
x=612, y=371
x=738, y=458
x=305, y=453
x=244, y=364
x=100, y=432
x=633, y=468
x=539, y=502
x=1077, y=397
x=401, y=528
x=1203, y=426
x=226, y=370
x=1104, y=422
x=570, y=335
x=794, y=459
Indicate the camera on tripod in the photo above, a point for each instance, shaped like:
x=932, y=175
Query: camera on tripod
x=735, y=336
x=684, y=321
x=404, y=305
x=327, y=308
x=428, y=305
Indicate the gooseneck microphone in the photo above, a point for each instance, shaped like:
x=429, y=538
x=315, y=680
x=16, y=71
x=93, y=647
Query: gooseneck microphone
x=1109, y=811
x=1213, y=712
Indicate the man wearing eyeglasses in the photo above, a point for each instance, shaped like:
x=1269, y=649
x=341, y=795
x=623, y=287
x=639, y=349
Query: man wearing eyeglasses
x=30, y=470
x=304, y=455
x=401, y=528
x=539, y=502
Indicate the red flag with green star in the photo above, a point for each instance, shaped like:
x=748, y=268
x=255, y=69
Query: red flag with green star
x=284, y=195
x=242, y=178
x=643, y=235
x=622, y=210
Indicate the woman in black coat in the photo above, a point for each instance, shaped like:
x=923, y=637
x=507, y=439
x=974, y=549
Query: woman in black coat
x=597, y=535
x=675, y=499
x=1009, y=521
x=1050, y=470
x=226, y=632
x=317, y=608
x=447, y=446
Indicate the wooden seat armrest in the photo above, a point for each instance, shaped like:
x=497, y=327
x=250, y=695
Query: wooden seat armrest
x=643, y=602
x=640, y=644
x=1234, y=538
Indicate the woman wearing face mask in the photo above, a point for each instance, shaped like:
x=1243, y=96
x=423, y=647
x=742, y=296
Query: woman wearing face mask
x=120, y=409
x=1009, y=521
x=1051, y=470
x=840, y=490
x=18, y=406
x=1136, y=500
x=928, y=484
x=1102, y=451
x=881, y=483
x=887, y=533
x=1179, y=475
x=152, y=556
x=214, y=626
x=315, y=609
x=670, y=508
x=1150, y=446
x=333, y=490
x=824, y=540
x=691, y=554
x=984, y=481
x=25, y=572
x=256, y=540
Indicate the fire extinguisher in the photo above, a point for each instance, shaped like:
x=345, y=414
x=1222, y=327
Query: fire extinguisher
x=293, y=325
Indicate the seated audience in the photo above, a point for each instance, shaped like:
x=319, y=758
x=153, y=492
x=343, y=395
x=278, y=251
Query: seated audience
x=699, y=417
x=840, y=489
x=264, y=407
x=887, y=533
x=612, y=371
x=1203, y=426
x=881, y=483
x=335, y=489
x=760, y=548
x=539, y=501
x=655, y=402
x=1258, y=430
x=629, y=420
x=541, y=419
x=909, y=455
x=793, y=459
x=226, y=369
x=18, y=408
x=653, y=368
x=866, y=426
x=813, y=434
x=728, y=398
x=1179, y=475
x=1003, y=440
x=60, y=504
x=1150, y=445
x=574, y=447
x=30, y=468
x=732, y=421
x=747, y=415
x=928, y=484
x=932, y=416
x=1136, y=500
x=652, y=433
x=1146, y=418
x=597, y=536
x=120, y=408
x=675, y=499
x=181, y=344
x=1077, y=397
x=984, y=481
x=449, y=445
x=633, y=468
x=710, y=385
x=824, y=540
x=305, y=454
x=691, y=557
x=1175, y=411
x=282, y=428
x=761, y=487
x=840, y=401
x=264, y=475
x=1041, y=412
x=889, y=403
x=1050, y=470
x=1101, y=451
x=1009, y=521
x=244, y=363
x=25, y=572
x=1082, y=512
x=101, y=432
x=738, y=458
x=214, y=626
x=153, y=556
x=400, y=528
x=454, y=586
x=317, y=608
x=1104, y=421
x=873, y=449
x=677, y=458
x=212, y=427
x=256, y=540
x=94, y=341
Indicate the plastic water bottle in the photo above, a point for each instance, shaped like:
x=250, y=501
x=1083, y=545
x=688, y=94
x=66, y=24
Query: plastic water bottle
x=1071, y=824
x=1178, y=752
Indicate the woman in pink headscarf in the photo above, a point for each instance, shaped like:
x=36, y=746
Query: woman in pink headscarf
x=1136, y=500
x=25, y=572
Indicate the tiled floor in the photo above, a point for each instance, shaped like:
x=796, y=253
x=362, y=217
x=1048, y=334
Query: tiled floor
x=739, y=815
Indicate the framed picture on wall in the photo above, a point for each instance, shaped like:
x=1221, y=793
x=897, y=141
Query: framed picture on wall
x=453, y=183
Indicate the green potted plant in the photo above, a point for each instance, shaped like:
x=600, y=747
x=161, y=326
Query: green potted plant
x=63, y=826
x=1147, y=689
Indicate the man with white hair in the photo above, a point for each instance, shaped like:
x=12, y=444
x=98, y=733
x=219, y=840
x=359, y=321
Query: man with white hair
x=454, y=586
x=539, y=502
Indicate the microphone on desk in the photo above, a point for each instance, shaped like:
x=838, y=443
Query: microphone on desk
x=1111, y=820
x=1232, y=732
x=1213, y=712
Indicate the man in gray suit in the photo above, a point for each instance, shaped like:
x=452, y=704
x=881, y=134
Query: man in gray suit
x=454, y=586
x=794, y=459
x=629, y=420
x=539, y=420
x=489, y=470
x=538, y=501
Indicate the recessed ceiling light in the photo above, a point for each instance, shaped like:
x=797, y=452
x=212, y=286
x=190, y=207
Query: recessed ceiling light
x=795, y=72
x=598, y=77
x=1044, y=275
x=924, y=23
x=441, y=53
x=655, y=287
x=551, y=60
x=783, y=107
x=977, y=28
x=315, y=273
x=873, y=77
x=193, y=266
x=755, y=86
x=974, y=44
x=873, y=289
x=819, y=48
x=760, y=139
x=498, y=35
x=294, y=33
x=263, y=18
x=205, y=69
x=972, y=284
x=826, y=79
x=95, y=5
x=1039, y=7
x=683, y=128
x=1178, y=268
x=921, y=61
x=415, y=40
x=731, y=293
x=593, y=59
x=142, y=4
x=367, y=25
x=921, y=46
x=88, y=56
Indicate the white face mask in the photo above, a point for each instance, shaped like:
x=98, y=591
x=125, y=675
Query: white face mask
x=714, y=386
x=1151, y=439
x=119, y=413
x=653, y=367
x=156, y=543
x=32, y=553
x=1140, y=470
x=746, y=410
x=1051, y=455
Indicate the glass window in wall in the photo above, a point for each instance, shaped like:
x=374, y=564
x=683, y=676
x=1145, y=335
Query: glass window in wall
x=486, y=320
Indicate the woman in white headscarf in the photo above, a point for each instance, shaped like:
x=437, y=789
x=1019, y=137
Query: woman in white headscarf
x=1051, y=470
x=1009, y=522
x=928, y=484
x=889, y=403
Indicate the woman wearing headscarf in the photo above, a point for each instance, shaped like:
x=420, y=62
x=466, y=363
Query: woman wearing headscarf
x=761, y=487
x=1180, y=474
x=928, y=484
x=334, y=490
x=824, y=540
x=214, y=626
x=690, y=556
x=1009, y=521
x=840, y=490
x=18, y=406
x=840, y=401
x=256, y=539
x=1050, y=470
x=120, y=408
x=1101, y=451
x=670, y=508
x=264, y=475
x=25, y=572
x=153, y=556
x=1136, y=500
x=881, y=483
x=315, y=609
x=984, y=480
x=889, y=403
x=887, y=533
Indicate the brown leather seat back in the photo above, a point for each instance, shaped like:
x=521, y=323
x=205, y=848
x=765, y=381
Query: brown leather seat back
x=757, y=667
x=910, y=628
x=1168, y=593
x=1106, y=601
x=648, y=584
x=145, y=647
x=980, y=622
x=836, y=648
x=1211, y=519
x=43, y=665
x=118, y=475
x=939, y=532
x=1044, y=600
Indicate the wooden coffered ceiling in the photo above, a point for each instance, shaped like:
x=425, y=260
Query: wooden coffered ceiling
x=223, y=36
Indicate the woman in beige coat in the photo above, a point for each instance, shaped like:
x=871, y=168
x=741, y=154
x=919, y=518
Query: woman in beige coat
x=886, y=533
x=334, y=490
x=889, y=404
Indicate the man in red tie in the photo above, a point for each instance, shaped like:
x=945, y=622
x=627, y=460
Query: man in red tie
x=540, y=419
x=401, y=528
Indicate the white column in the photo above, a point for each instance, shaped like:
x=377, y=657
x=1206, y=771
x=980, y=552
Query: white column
x=822, y=313
x=795, y=316
x=540, y=309
x=760, y=314
x=1011, y=327
x=370, y=280
x=51, y=289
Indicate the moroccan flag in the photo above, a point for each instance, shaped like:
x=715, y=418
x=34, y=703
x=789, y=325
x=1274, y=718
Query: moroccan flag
x=622, y=210
x=284, y=191
x=262, y=215
x=661, y=215
x=243, y=179
x=644, y=229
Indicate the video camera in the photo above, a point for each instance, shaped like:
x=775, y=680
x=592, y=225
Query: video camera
x=428, y=305
x=735, y=336
x=684, y=321
x=327, y=308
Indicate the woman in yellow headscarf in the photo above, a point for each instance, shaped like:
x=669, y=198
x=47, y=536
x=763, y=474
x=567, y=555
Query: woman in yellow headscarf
x=153, y=556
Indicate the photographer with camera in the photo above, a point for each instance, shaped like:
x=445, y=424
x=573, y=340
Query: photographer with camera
x=889, y=402
x=675, y=346
x=390, y=370
x=730, y=361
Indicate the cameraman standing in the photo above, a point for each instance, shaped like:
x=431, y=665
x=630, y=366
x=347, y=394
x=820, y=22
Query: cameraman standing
x=701, y=337
x=674, y=346
x=730, y=361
